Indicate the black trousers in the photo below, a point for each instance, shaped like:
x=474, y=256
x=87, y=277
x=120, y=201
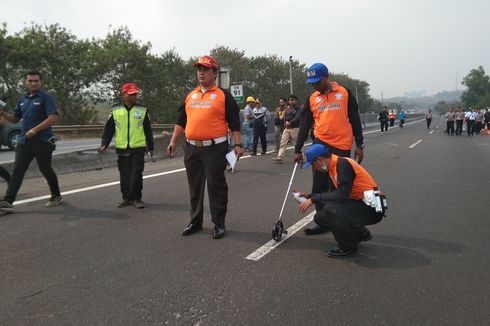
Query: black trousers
x=131, y=168
x=345, y=219
x=5, y=174
x=450, y=127
x=384, y=125
x=260, y=132
x=402, y=121
x=459, y=127
x=24, y=154
x=470, y=124
x=392, y=122
x=428, y=122
x=207, y=165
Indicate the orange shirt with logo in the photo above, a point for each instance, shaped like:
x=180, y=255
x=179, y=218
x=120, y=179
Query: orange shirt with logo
x=205, y=114
x=330, y=114
x=362, y=182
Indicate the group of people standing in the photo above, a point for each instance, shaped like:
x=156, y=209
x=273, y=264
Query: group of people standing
x=339, y=183
x=475, y=119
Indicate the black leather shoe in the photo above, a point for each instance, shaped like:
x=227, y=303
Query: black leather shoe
x=316, y=230
x=191, y=229
x=365, y=237
x=337, y=253
x=218, y=232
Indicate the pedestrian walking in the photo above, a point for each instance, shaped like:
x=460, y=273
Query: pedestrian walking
x=470, y=118
x=205, y=149
x=130, y=124
x=459, y=118
x=383, y=119
x=428, y=118
x=38, y=112
x=401, y=116
x=450, y=118
x=392, y=117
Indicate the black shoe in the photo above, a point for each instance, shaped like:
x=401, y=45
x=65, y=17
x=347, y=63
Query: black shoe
x=316, y=230
x=253, y=154
x=365, y=237
x=218, y=232
x=191, y=229
x=125, y=203
x=337, y=252
x=263, y=153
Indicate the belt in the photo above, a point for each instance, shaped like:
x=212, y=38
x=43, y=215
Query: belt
x=206, y=143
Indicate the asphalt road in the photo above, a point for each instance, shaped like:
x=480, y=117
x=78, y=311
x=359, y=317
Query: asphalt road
x=62, y=146
x=90, y=263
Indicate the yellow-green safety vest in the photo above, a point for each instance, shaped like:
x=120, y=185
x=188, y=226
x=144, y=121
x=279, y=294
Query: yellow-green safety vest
x=129, y=127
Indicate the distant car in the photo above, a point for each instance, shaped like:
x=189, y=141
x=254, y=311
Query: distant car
x=9, y=134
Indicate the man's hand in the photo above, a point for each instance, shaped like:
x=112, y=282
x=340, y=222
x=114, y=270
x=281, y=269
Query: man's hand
x=359, y=154
x=238, y=151
x=298, y=158
x=31, y=133
x=305, y=205
x=171, y=149
x=103, y=149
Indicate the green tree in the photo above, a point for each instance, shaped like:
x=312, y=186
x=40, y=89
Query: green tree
x=478, y=91
x=61, y=59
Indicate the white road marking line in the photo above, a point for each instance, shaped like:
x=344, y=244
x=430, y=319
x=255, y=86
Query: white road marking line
x=415, y=144
x=431, y=132
x=269, y=246
x=104, y=185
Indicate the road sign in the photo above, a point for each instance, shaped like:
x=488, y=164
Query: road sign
x=237, y=92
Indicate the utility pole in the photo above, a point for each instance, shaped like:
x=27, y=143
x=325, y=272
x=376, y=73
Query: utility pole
x=291, y=74
x=381, y=97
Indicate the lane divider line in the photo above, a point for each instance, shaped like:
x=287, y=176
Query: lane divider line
x=104, y=185
x=415, y=144
x=431, y=132
x=271, y=245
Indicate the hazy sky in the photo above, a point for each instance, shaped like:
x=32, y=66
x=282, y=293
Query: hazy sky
x=396, y=46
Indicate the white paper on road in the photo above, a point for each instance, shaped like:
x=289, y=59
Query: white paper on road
x=232, y=158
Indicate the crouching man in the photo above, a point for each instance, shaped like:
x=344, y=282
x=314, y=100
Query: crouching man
x=353, y=202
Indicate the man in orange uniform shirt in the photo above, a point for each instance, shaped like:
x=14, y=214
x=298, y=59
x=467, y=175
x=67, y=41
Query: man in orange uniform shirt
x=205, y=116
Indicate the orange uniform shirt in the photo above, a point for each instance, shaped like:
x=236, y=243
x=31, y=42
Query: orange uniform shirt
x=362, y=182
x=205, y=114
x=330, y=114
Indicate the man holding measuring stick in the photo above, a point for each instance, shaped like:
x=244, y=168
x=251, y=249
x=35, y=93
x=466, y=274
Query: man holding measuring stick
x=354, y=202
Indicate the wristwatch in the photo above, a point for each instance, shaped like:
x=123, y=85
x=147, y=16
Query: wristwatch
x=361, y=146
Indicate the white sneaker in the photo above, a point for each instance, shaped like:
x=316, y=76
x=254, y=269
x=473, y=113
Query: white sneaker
x=54, y=201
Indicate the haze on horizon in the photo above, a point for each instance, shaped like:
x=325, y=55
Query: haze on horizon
x=396, y=46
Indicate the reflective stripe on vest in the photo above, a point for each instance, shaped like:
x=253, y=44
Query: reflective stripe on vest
x=362, y=181
x=129, y=127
